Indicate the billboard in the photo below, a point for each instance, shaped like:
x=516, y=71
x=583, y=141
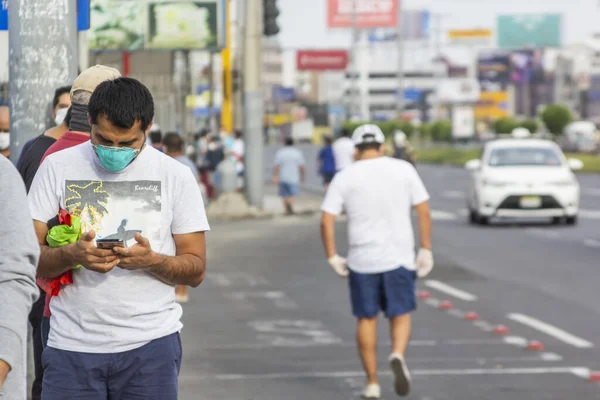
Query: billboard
x=470, y=37
x=493, y=71
x=458, y=90
x=415, y=26
x=321, y=60
x=369, y=13
x=127, y=25
x=492, y=105
x=463, y=122
x=529, y=30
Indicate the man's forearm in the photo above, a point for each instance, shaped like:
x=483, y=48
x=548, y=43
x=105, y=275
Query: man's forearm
x=184, y=269
x=4, y=370
x=425, y=230
x=55, y=261
x=328, y=238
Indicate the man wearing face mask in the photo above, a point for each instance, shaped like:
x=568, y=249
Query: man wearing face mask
x=4, y=131
x=116, y=327
x=34, y=150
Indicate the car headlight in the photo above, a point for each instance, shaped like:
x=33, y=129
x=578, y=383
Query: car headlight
x=488, y=182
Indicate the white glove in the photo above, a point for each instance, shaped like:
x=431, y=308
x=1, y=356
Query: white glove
x=339, y=265
x=424, y=262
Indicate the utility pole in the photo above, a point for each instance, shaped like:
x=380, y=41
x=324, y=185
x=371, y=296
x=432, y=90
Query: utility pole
x=400, y=47
x=227, y=108
x=354, y=70
x=43, y=56
x=253, y=104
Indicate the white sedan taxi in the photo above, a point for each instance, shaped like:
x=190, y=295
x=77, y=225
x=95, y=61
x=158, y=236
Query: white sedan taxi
x=523, y=178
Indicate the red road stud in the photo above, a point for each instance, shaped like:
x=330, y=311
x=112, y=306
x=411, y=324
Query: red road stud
x=594, y=376
x=534, y=345
x=501, y=330
x=424, y=295
x=446, y=305
x=471, y=316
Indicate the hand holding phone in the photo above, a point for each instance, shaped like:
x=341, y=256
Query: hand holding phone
x=109, y=244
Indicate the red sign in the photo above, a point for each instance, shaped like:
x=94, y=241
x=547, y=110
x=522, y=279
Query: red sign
x=322, y=60
x=369, y=13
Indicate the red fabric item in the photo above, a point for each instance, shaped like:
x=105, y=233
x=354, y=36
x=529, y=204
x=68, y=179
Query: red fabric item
x=69, y=139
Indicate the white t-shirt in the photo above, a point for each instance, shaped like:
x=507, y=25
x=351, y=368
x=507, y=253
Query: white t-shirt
x=378, y=195
x=156, y=196
x=343, y=153
x=237, y=150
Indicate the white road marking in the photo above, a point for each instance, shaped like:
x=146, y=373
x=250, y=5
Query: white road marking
x=453, y=194
x=235, y=279
x=484, y=325
x=439, y=215
x=546, y=233
x=432, y=302
x=551, y=357
x=592, y=243
x=279, y=299
x=450, y=290
x=295, y=333
x=581, y=372
x=515, y=341
x=456, y=313
x=551, y=330
x=589, y=214
x=416, y=372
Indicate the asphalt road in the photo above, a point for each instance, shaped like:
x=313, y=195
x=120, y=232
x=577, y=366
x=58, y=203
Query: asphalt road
x=272, y=321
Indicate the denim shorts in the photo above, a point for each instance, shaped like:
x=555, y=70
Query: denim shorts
x=149, y=372
x=392, y=292
x=288, y=189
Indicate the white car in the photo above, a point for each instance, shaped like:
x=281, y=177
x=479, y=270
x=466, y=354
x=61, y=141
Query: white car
x=523, y=178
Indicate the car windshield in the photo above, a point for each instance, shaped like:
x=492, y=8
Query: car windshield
x=524, y=156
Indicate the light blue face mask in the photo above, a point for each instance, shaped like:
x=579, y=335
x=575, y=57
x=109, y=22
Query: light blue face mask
x=115, y=159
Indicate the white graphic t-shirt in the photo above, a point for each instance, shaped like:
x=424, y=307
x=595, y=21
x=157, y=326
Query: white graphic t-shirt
x=156, y=196
x=378, y=195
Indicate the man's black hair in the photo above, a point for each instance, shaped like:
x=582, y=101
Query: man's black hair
x=123, y=101
x=155, y=137
x=345, y=132
x=368, y=146
x=173, y=142
x=59, y=92
x=238, y=134
x=328, y=140
x=289, y=141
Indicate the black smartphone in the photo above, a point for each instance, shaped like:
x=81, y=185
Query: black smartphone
x=108, y=244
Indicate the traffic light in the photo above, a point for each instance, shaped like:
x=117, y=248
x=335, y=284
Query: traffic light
x=270, y=14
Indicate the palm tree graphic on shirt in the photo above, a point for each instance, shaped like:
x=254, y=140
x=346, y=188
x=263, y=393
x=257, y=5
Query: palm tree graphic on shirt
x=89, y=202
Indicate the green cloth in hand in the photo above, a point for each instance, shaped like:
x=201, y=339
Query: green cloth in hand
x=62, y=235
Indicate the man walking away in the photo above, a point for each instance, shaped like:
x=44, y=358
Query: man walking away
x=402, y=149
x=156, y=139
x=115, y=330
x=19, y=254
x=4, y=131
x=377, y=193
x=327, y=162
x=343, y=150
x=33, y=150
x=175, y=147
x=288, y=173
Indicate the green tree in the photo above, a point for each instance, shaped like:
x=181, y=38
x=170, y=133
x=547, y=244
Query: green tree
x=556, y=117
x=530, y=124
x=441, y=131
x=505, y=125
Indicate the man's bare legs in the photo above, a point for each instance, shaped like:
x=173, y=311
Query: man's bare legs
x=288, y=202
x=400, y=333
x=366, y=340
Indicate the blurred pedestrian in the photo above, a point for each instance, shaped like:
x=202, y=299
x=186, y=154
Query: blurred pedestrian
x=19, y=254
x=156, y=138
x=327, y=162
x=237, y=152
x=377, y=193
x=288, y=173
x=214, y=156
x=115, y=330
x=33, y=150
x=343, y=150
x=402, y=149
x=4, y=131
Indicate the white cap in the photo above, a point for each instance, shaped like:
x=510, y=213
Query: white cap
x=368, y=133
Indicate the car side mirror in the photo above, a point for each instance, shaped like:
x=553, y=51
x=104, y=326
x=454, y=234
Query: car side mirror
x=473, y=165
x=575, y=164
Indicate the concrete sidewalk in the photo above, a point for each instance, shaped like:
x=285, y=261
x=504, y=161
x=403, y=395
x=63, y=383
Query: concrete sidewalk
x=232, y=206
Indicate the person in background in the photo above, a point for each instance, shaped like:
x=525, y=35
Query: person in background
x=343, y=150
x=214, y=155
x=19, y=255
x=175, y=147
x=327, y=162
x=288, y=173
x=402, y=149
x=378, y=193
x=237, y=152
x=156, y=139
x=33, y=150
x=4, y=131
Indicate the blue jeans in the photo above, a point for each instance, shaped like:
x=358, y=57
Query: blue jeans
x=146, y=373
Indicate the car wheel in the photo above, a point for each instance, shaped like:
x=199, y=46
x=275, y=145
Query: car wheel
x=483, y=220
x=557, y=220
x=571, y=220
x=473, y=217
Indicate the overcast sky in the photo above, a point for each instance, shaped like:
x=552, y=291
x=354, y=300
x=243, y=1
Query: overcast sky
x=303, y=22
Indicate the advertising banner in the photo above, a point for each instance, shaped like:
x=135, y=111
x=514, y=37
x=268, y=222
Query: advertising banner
x=369, y=13
x=470, y=37
x=127, y=25
x=493, y=71
x=492, y=105
x=529, y=30
x=463, y=122
x=321, y=60
x=458, y=90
